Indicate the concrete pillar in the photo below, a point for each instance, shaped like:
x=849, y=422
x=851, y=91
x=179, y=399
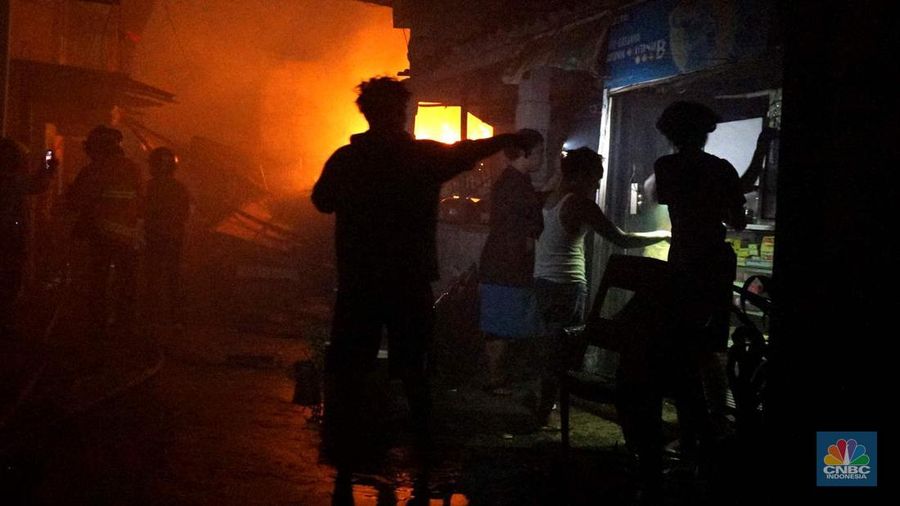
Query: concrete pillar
x=533, y=111
x=4, y=61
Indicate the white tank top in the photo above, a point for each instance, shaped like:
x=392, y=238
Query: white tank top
x=559, y=255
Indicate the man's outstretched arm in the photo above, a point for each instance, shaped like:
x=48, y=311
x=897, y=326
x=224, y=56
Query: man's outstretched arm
x=463, y=155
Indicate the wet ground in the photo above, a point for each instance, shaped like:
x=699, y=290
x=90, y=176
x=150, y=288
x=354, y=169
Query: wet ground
x=216, y=425
x=204, y=415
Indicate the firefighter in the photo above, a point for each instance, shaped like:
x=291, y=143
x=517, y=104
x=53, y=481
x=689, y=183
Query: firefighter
x=106, y=195
x=168, y=206
x=15, y=184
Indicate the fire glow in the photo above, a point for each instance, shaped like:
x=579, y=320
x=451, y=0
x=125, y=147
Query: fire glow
x=273, y=80
x=442, y=124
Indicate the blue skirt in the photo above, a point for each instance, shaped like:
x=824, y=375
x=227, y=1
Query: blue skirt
x=509, y=312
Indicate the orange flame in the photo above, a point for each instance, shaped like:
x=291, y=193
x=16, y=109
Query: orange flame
x=310, y=107
x=273, y=79
x=442, y=124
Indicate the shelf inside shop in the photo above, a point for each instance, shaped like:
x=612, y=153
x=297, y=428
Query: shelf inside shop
x=766, y=270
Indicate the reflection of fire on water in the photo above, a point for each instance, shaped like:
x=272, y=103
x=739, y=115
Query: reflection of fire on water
x=442, y=124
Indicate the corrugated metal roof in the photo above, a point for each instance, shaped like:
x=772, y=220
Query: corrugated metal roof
x=88, y=87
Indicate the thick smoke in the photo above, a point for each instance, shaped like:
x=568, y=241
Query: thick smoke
x=274, y=78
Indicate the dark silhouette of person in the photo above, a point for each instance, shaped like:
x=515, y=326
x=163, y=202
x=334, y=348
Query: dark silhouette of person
x=506, y=267
x=166, y=210
x=560, y=275
x=703, y=194
x=107, y=196
x=384, y=189
x=15, y=184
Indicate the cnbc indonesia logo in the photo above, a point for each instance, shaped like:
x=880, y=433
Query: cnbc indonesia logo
x=847, y=460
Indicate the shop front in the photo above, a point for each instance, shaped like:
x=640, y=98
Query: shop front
x=721, y=55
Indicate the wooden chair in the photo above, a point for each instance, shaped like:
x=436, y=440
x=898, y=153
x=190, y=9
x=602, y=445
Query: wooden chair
x=626, y=333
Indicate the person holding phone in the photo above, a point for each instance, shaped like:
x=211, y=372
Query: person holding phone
x=16, y=183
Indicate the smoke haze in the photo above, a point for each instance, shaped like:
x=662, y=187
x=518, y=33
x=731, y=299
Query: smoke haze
x=275, y=78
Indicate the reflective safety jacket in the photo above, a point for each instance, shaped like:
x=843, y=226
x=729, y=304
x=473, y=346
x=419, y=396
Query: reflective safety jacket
x=107, y=195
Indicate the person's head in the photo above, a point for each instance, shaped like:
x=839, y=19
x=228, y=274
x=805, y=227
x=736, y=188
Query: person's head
x=582, y=169
x=13, y=156
x=527, y=160
x=383, y=101
x=103, y=141
x=687, y=124
x=163, y=162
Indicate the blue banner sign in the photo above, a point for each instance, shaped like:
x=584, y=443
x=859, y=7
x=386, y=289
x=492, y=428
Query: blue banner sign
x=663, y=38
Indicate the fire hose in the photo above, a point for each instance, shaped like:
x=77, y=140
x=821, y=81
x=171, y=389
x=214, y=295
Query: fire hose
x=28, y=389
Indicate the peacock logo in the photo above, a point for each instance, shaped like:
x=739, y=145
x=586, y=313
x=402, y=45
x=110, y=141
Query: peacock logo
x=846, y=452
x=847, y=459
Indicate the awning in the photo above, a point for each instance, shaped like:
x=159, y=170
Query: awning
x=576, y=45
x=87, y=88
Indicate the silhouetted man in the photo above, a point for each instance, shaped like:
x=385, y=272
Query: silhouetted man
x=384, y=188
